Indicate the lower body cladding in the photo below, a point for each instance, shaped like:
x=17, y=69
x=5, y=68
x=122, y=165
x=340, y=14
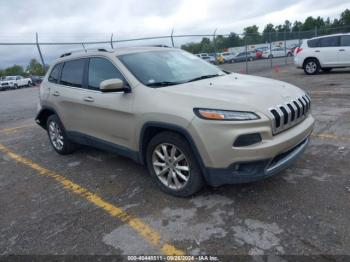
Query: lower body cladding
x=225, y=163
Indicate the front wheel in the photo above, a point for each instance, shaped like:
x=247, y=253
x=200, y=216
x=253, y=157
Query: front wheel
x=311, y=67
x=58, y=137
x=172, y=164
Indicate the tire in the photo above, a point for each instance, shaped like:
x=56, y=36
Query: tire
x=166, y=172
x=289, y=54
x=327, y=69
x=251, y=59
x=270, y=56
x=311, y=66
x=58, y=137
x=15, y=86
x=29, y=84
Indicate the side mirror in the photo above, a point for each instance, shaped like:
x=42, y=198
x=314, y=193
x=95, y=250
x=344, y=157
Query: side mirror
x=114, y=85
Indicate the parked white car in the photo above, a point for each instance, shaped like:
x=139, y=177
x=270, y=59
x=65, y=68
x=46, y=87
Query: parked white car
x=201, y=55
x=14, y=82
x=276, y=52
x=323, y=53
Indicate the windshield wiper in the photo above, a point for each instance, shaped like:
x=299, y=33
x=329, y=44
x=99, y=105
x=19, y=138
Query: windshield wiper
x=203, y=77
x=163, y=83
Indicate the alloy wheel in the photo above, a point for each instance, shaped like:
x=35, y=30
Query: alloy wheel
x=56, y=136
x=171, y=166
x=311, y=67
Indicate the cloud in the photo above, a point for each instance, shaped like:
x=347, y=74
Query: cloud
x=93, y=20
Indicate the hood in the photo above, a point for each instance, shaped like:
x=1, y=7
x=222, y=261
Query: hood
x=236, y=92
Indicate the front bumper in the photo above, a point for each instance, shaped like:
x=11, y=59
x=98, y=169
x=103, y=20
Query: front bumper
x=246, y=172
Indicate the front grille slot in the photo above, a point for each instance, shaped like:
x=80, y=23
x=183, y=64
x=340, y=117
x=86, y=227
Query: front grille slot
x=277, y=117
x=292, y=112
x=289, y=114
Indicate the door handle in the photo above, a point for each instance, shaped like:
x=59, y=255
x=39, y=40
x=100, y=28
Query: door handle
x=317, y=51
x=89, y=99
x=56, y=93
x=341, y=50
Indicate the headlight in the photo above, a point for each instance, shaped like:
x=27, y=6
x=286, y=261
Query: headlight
x=215, y=114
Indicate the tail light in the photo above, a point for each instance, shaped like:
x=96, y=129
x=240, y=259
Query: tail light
x=298, y=50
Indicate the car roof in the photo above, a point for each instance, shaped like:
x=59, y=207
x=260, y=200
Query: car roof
x=109, y=52
x=318, y=37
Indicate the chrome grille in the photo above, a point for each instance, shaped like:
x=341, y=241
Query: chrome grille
x=289, y=114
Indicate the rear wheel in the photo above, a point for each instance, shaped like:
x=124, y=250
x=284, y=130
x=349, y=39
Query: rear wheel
x=311, y=66
x=172, y=164
x=270, y=56
x=58, y=137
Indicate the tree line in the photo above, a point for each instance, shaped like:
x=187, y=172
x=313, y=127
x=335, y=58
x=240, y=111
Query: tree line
x=288, y=30
x=33, y=68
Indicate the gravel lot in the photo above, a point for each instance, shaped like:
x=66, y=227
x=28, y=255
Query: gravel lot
x=303, y=211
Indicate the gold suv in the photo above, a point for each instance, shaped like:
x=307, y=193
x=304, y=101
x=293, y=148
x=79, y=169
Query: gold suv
x=188, y=121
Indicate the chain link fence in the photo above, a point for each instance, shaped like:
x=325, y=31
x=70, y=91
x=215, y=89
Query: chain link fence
x=255, y=51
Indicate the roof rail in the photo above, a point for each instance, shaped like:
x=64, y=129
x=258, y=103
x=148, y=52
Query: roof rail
x=166, y=46
x=85, y=51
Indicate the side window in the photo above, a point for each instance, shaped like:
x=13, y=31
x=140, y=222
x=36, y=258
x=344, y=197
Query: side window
x=329, y=41
x=345, y=40
x=101, y=69
x=55, y=73
x=72, y=73
x=313, y=43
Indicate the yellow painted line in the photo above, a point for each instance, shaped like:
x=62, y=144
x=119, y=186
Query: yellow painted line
x=14, y=129
x=148, y=233
x=331, y=136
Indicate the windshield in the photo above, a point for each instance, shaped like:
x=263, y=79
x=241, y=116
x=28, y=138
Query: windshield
x=168, y=67
x=10, y=78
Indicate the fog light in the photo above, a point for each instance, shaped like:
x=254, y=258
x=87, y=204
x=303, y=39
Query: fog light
x=247, y=140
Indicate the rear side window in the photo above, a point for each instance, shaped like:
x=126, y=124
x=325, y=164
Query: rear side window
x=72, y=73
x=329, y=41
x=101, y=69
x=345, y=40
x=55, y=73
x=313, y=43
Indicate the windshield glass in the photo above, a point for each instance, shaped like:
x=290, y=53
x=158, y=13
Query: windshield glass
x=168, y=67
x=10, y=78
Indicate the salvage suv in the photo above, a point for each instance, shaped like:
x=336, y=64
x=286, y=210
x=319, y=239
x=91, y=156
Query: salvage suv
x=188, y=121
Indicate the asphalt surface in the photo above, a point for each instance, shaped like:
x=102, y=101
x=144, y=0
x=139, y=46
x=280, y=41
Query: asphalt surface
x=81, y=203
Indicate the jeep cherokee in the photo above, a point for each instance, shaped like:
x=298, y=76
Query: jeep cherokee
x=188, y=121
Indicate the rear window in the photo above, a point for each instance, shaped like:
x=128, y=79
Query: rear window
x=72, y=73
x=55, y=73
x=345, y=40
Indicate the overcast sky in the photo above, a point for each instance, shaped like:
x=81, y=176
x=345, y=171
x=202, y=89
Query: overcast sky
x=89, y=20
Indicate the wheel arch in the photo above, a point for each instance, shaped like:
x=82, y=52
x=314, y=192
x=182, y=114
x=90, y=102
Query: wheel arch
x=43, y=115
x=311, y=57
x=150, y=129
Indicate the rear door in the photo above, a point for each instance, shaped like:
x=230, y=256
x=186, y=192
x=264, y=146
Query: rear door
x=65, y=95
x=327, y=51
x=344, y=51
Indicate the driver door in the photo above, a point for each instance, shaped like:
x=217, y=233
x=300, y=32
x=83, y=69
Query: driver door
x=107, y=116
